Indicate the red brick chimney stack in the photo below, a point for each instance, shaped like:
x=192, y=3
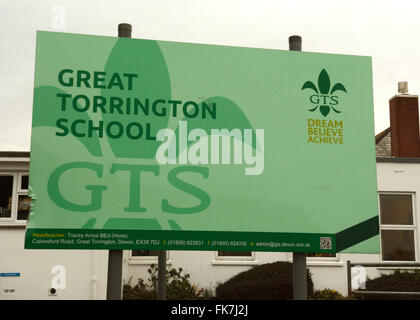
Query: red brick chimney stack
x=404, y=114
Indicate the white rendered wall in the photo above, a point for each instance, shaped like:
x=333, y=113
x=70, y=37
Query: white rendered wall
x=34, y=266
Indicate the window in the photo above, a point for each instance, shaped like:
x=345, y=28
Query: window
x=322, y=258
x=234, y=258
x=24, y=182
x=144, y=253
x=14, y=201
x=320, y=255
x=146, y=257
x=6, y=195
x=397, y=227
x=234, y=253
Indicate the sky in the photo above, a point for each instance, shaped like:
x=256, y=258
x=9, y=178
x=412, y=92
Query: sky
x=388, y=31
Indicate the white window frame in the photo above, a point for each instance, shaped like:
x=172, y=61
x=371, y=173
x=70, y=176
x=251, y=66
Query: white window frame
x=329, y=259
x=146, y=260
x=21, y=192
x=16, y=192
x=12, y=220
x=234, y=260
x=412, y=227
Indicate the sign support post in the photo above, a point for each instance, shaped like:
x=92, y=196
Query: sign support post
x=300, y=289
x=161, y=288
x=114, y=286
x=124, y=30
x=115, y=257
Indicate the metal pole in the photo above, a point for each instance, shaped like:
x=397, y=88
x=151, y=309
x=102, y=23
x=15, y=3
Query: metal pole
x=386, y=264
x=349, y=288
x=114, y=287
x=161, y=289
x=114, y=290
x=124, y=30
x=161, y=285
x=295, y=43
x=300, y=289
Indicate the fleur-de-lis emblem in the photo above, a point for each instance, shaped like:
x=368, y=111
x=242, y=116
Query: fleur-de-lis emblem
x=324, y=98
x=155, y=82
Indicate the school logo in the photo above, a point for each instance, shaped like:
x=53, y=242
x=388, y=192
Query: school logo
x=324, y=98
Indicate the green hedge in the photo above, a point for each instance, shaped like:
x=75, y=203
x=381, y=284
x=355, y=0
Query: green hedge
x=178, y=287
x=398, y=281
x=272, y=281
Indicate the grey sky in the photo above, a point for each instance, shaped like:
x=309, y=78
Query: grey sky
x=389, y=31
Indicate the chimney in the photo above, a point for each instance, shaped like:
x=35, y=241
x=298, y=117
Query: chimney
x=404, y=116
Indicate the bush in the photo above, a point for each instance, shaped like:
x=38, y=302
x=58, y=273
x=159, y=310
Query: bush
x=141, y=291
x=327, y=294
x=178, y=287
x=398, y=281
x=271, y=281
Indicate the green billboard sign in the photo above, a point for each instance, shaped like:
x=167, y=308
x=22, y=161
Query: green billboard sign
x=141, y=144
